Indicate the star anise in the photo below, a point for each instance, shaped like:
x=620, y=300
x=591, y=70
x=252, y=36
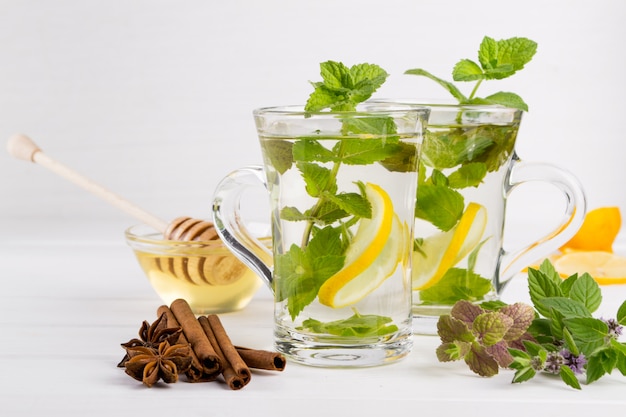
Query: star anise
x=149, y=365
x=152, y=335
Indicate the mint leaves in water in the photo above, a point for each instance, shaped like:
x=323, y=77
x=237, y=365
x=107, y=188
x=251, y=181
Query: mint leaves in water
x=558, y=336
x=497, y=59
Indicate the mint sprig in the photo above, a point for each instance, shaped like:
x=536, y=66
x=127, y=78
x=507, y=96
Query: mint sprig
x=562, y=337
x=319, y=158
x=497, y=59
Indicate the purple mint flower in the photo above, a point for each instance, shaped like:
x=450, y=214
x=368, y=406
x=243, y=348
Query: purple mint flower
x=554, y=361
x=615, y=329
x=575, y=362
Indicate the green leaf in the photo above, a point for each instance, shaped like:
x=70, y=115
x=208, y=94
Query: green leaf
x=586, y=290
x=452, y=89
x=343, y=88
x=594, y=370
x=541, y=286
x=451, y=329
x=621, y=314
x=439, y=205
x=480, y=361
x=522, y=316
x=491, y=327
x=467, y=70
x=365, y=151
x=505, y=57
x=566, y=306
x=506, y=99
x=452, y=351
x=566, y=284
x=568, y=376
x=588, y=333
x=292, y=214
x=310, y=150
x=279, y=153
x=353, y=203
x=371, y=125
x=403, y=159
x=550, y=271
x=317, y=179
x=524, y=374
x=468, y=175
x=454, y=147
x=355, y=326
x=456, y=284
x=569, y=342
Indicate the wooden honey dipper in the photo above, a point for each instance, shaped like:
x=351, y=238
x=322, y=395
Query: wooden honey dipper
x=216, y=270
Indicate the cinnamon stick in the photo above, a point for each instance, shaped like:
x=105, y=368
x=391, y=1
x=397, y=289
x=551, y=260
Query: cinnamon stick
x=211, y=363
x=262, y=359
x=195, y=373
x=235, y=376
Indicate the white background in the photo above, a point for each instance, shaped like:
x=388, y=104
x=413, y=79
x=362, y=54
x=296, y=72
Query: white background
x=153, y=98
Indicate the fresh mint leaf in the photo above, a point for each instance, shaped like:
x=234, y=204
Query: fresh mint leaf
x=404, y=159
x=456, y=284
x=445, y=84
x=540, y=286
x=354, y=326
x=466, y=311
x=317, y=179
x=352, y=203
x=588, y=333
x=503, y=58
x=451, y=329
x=506, y=99
x=451, y=148
x=595, y=370
x=292, y=214
x=621, y=314
x=383, y=126
x=468, y=175
x=566, y=284
x=568, y=376
x=452, y=351
x=491, y=327
x=439, y=205
x=480, y=361
x=566, y=306
x=326, y=212
x=467, y=70
x=522, y=316
x=587, y=291
x=524, y=374
x=498, y=59
x=310, y=150
x=366, y=151
x=279, y=153
x=343, y=88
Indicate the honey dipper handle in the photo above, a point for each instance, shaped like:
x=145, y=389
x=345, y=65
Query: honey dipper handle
x=22, y=147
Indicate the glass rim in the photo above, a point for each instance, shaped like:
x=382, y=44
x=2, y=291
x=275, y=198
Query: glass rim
x=298, y=110
x=431, y=103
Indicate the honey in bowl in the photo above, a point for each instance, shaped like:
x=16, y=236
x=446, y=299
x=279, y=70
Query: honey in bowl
x=206, y=274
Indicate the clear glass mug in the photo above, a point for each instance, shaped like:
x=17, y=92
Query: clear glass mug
x=341, y=191
x=468, y=169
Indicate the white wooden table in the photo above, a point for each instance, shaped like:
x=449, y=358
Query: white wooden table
x=65, y=307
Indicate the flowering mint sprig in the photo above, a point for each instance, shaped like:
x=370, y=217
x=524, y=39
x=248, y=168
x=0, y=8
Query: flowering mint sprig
x=562, y=338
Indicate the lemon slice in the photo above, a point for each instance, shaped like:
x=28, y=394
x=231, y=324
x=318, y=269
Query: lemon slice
x=442, y=251
x=372, y=255
x=605, y=267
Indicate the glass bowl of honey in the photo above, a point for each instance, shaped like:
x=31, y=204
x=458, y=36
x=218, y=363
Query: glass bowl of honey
x=204, y=273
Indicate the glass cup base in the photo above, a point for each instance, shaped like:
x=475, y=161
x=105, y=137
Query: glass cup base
x=303, y=350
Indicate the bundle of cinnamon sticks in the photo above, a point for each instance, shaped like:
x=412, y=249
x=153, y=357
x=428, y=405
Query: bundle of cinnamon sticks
x=212, y=352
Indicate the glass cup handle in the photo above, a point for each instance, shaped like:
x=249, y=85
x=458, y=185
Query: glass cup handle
x=511, y=263
x=229, y=225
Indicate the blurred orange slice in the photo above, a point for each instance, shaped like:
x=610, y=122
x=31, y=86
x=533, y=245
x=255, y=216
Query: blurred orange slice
x=598, y=231
x=605, y=267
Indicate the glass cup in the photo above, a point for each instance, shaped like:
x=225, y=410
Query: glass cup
x=468, y=169
x=341, y=194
